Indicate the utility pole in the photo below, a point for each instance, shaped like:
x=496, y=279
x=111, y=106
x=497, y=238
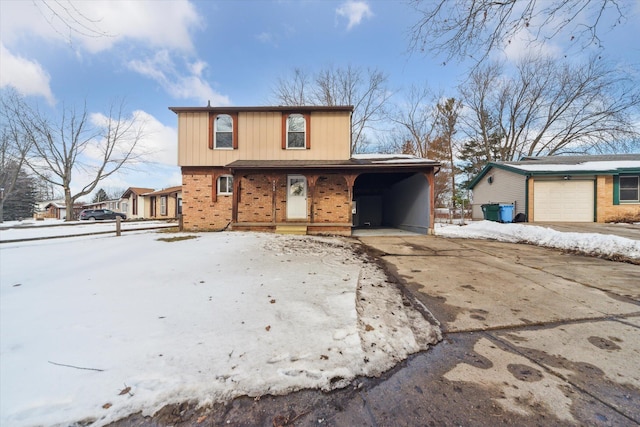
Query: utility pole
x=1, y=205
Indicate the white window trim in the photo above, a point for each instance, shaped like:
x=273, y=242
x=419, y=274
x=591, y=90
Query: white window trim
x=215, y=133
x=304, y=139
x=226, y=193
x=163, y=205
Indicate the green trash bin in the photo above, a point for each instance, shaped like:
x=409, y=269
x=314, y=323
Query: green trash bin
x=491, y=212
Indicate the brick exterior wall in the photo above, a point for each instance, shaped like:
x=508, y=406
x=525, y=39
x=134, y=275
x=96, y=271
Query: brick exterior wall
x=606, y=211
x=199, y=211
x=281, y=199
x=256, y=202
x=331, y=200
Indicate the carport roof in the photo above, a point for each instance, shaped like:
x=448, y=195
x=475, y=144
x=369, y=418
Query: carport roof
x=369, y=161
x=559, y=165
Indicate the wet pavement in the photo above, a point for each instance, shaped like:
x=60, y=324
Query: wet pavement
x=532, y=337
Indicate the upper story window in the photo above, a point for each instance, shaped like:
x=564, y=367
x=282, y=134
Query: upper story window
x=225, y=184
x=295, y=131
x=629, y=189
x=223, y=131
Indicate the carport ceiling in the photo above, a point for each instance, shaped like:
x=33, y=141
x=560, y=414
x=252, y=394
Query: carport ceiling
x=374, y=182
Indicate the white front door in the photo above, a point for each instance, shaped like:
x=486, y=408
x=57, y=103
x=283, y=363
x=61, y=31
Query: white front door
x=296, y=197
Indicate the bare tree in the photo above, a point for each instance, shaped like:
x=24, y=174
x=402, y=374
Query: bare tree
x=92, y=148
x=68, y=21
x=475, y=28
x=447, y=125
x=425, y=126
x=14, y=146
x=292, y=90
x=417, y=119
x=366, y=90
x=551, y=108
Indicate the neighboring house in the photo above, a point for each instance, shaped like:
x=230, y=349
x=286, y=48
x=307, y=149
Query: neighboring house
x=563, y=188
x=58, y=210
x=165, y=203
x=48, y=209
x=132, y=202
x=289, y=168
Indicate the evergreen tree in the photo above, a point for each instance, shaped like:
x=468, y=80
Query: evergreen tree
x=474, y=155
x=20, y=203
x=100, y=196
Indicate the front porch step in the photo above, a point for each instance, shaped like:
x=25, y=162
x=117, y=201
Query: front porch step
x=291, y=229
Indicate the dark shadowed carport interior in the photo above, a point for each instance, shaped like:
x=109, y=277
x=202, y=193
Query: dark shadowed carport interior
x=398, y=200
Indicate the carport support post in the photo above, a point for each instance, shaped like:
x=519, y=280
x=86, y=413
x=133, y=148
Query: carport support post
x=432, y=194
x=118, y=226
x=351, y=180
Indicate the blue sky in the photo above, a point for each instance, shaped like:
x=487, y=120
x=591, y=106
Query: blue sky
x=184, y=53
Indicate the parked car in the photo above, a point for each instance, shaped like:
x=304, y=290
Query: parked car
x=98, y=214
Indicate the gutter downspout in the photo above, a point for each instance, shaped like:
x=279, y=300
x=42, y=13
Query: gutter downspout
x=526, y=197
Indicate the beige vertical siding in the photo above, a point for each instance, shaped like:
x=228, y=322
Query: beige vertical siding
x=260, y=138
x=507, y=187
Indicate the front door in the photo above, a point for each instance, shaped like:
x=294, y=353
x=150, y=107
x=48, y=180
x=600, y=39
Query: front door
x=296, y=197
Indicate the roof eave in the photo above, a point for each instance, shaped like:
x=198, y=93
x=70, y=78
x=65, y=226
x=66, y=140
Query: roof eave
x=491, y=165
x=275, y=108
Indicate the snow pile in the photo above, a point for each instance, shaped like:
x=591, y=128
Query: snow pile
x=95, y=328
x=588, y=243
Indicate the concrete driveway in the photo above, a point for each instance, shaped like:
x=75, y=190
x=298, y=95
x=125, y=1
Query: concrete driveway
x=529, y=332
x=532, y=337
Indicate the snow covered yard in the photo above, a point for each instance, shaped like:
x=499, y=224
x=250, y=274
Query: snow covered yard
x=95, y=328
x=602, y=245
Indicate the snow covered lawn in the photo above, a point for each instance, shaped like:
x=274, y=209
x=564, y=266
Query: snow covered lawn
x=588, y=243
x=15, y=230
x=95, y=328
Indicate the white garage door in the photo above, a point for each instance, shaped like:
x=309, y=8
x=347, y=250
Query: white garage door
x=563, y=201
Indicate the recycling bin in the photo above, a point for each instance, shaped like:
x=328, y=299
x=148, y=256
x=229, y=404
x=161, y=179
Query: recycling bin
x=506, y=213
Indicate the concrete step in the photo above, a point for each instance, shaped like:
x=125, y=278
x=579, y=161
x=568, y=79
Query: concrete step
x=291, y=229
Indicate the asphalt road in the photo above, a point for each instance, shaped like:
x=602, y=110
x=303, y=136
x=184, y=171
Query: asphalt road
x=532, y=337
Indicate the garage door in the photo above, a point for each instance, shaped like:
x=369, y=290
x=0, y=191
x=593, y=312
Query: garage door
x=563, y=201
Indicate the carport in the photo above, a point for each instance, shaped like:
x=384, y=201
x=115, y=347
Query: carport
x=392, y=199
x=366, y=191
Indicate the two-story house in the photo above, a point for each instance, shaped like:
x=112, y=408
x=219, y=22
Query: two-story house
x=290, y=168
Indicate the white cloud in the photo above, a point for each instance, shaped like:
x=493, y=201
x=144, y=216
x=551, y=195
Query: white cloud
x=523, y=44
x=100, y=24
x=265, y=37
x=155, y=156
x=157, y=143
x=354, y=11
x=27, y=77
x=163, y=70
